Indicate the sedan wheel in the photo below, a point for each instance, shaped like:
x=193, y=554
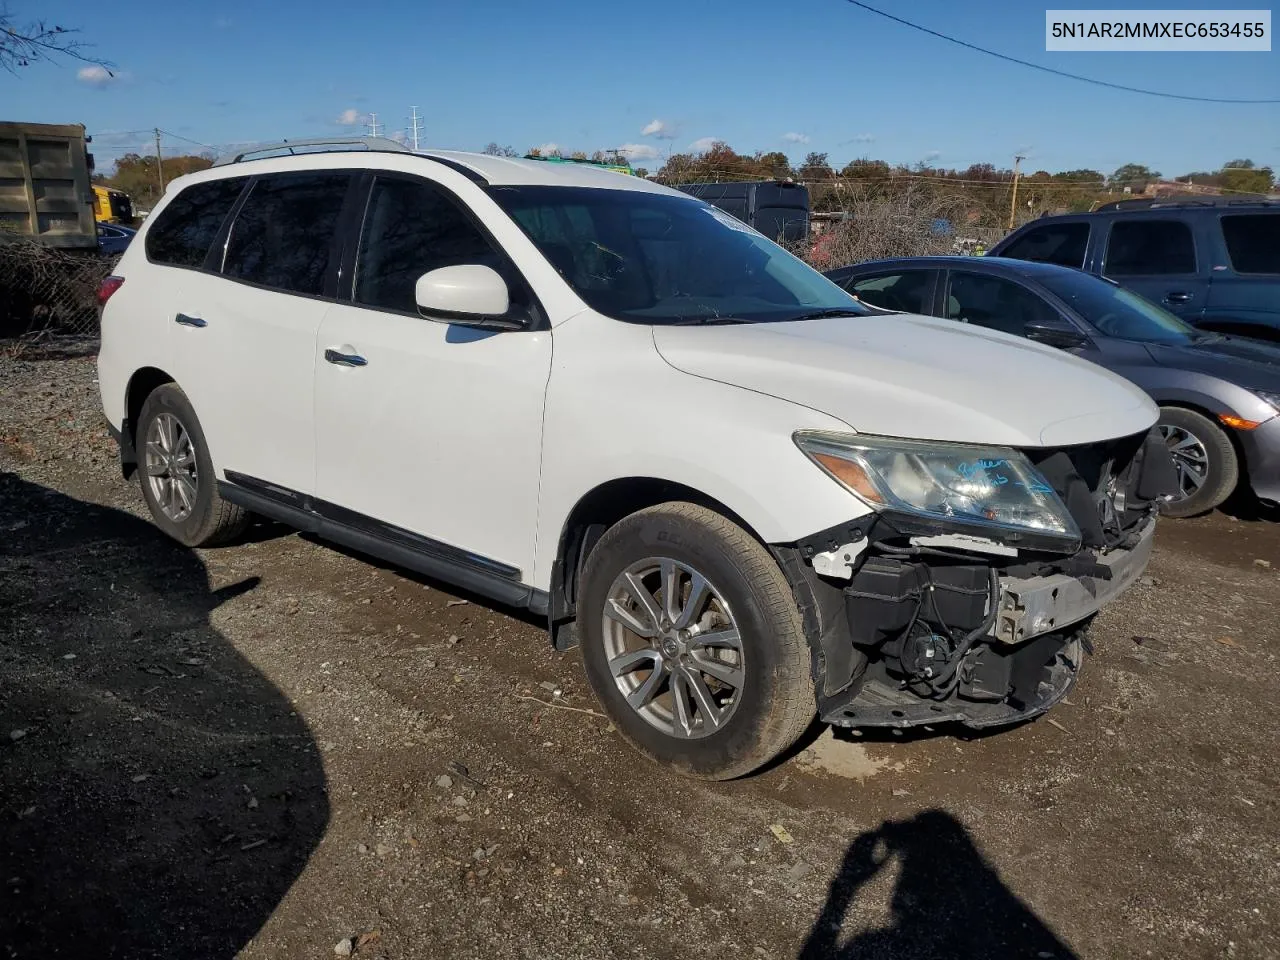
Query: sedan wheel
x=1190, y=459
x=1204, y=461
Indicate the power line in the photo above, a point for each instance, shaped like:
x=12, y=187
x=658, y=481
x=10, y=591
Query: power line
x=178, y=136
x=1038, y=66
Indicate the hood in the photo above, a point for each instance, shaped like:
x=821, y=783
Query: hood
x=908, y=376
x=1238, y=360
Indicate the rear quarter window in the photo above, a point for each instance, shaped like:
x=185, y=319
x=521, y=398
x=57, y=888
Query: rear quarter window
x=1060, y=243
x=1253, y=242
x=185, y=229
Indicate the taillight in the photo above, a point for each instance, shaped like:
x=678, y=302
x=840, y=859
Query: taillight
x=107, y=287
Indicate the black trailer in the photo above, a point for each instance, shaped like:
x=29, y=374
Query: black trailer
x=778, y=209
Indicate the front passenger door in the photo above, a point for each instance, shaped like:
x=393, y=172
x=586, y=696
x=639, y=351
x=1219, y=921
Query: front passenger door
x=1000, y=304
x=423, y=426
x=906, y=291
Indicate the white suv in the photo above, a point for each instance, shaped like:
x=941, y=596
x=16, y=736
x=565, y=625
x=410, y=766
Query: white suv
x=748, y=496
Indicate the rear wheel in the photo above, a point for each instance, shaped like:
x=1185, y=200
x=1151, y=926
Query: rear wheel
x=692, y=642
x=1205, y=461
x=177, y=476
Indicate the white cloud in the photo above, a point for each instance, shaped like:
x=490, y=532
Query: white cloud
x=350, y=118
x=224, y=23
x=95, y=75
x=658, y=128
x=638, y=151
x=796, y=137
x=703, y=144
x=399, y=136
x=548, y=149
x=864, y=138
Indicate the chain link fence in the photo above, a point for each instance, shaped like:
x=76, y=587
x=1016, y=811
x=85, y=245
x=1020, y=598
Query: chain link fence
x=46, y=292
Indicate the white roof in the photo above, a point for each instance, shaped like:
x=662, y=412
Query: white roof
x=511, y=171
x=496, y=171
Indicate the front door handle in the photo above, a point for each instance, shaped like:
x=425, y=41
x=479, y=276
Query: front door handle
x=188, y=321
x=345, y=359
x=1177, y=297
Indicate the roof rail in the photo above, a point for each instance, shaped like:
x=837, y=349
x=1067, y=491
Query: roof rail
x=317, y=145
x=1165, y=203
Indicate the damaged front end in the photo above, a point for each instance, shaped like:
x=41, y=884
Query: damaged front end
x=916, y=617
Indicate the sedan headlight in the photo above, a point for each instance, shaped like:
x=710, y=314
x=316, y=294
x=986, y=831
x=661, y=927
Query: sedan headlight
x=992, y=487
x=1271, y=397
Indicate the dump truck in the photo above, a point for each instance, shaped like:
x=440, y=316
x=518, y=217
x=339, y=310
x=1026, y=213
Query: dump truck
x=45, y=192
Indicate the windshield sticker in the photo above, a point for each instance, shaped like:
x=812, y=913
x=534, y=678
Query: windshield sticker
x=732, y=222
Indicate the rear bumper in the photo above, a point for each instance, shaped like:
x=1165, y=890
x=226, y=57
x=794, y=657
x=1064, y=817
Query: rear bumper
x=1261, y=447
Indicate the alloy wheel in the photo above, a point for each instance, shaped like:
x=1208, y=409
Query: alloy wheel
x=170, y=463
x=673, y=648
x=1190, y=459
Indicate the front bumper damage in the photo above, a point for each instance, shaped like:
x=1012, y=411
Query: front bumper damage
x=916, y=622
x=1029, y=661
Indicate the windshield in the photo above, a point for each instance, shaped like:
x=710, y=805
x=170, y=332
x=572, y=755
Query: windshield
x=649, y=258
x=1118, y=312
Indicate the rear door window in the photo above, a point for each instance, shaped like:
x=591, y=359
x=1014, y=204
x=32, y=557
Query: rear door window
x=906, y=292
x=284, y=235
x=185, y=229
x=1143, y=248
x=995, y=303
x=1253, y=242
x=1060, y=243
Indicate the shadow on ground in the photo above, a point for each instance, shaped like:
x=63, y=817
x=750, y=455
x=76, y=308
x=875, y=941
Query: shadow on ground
x=158, y=795
x=948, y=903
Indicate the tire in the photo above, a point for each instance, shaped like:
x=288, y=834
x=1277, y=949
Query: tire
x=748, y=724
x=186, y=507
x=1209, y=452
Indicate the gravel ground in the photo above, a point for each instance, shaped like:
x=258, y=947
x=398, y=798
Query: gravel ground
x=280, y=750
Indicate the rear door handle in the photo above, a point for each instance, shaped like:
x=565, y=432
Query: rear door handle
x=345, y=359
x=1177, y=297
x=188, y=321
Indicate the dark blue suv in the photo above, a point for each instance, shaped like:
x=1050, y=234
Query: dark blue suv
x=1215, y=262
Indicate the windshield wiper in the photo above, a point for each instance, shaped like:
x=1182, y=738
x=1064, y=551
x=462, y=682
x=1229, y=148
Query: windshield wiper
x=829, y=312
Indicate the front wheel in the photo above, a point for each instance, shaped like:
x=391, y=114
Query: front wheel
x=1204, y=459
x=692, y=642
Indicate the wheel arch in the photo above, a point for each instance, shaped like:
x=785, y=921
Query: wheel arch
x=595, y=512
x=1195, y=406
x=142, y=384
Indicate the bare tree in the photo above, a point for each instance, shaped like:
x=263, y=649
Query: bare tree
x=22, y=44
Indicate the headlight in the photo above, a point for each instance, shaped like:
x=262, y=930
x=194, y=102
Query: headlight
x=1271, y=397
x=994, y=487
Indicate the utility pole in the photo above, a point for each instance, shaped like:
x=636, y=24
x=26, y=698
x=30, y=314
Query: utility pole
x=373, y=124
x=159, y=163
x=415, y=126
x=1013, y=201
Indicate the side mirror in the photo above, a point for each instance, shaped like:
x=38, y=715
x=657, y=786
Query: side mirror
x=468, y=294
x=1055, y=333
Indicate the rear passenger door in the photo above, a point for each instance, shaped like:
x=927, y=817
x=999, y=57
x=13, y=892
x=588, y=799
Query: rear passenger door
x=1244, y=292
x=246, y=339
x=1159, y=258
x=423, y=426
x=907, y=291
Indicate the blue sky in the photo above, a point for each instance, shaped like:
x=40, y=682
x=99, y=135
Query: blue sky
x=589, y=75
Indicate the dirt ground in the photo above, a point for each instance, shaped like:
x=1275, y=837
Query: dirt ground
x=281, y=750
